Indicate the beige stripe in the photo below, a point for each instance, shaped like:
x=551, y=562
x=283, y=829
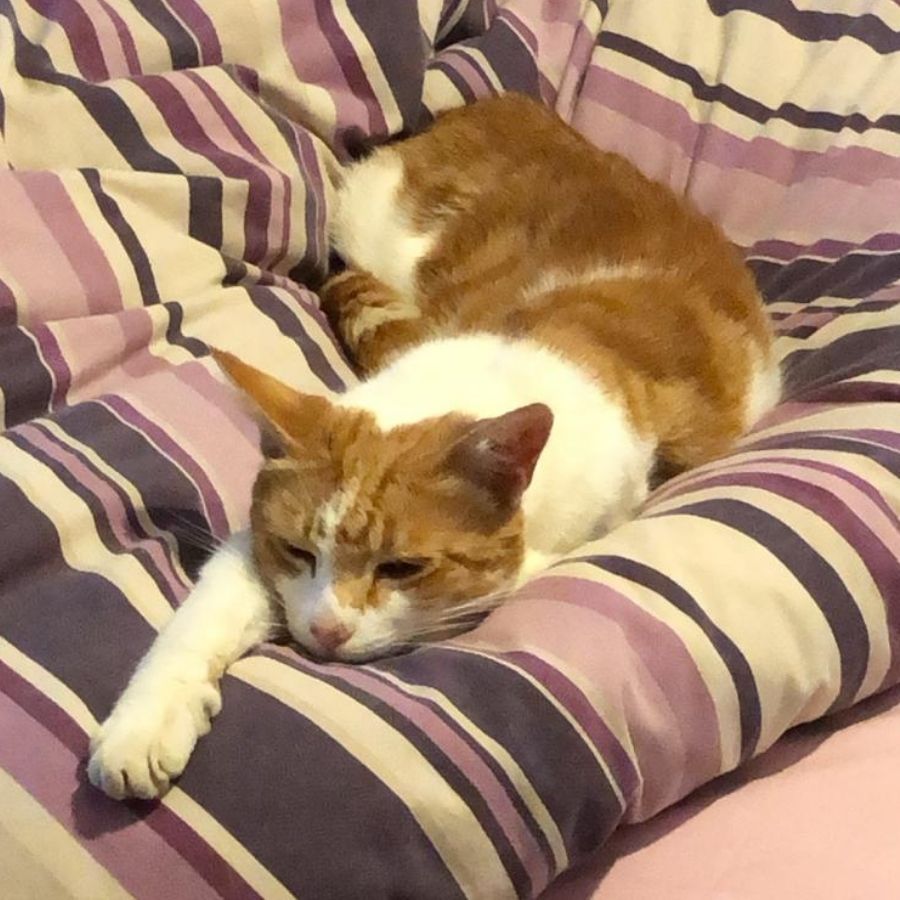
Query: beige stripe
x=107, y=240
x=446, y=819
x=502, y=757
x=850, y=417
x=439, y=93
x=843, y=325
x=81, y=547
x=262, y=48
x=800, y=69
x=40, y=860
x=758, y=578
x=49, y=35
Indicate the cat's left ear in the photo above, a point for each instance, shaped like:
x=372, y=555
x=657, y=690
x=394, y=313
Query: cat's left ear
x=289, y=419
x=499, y=455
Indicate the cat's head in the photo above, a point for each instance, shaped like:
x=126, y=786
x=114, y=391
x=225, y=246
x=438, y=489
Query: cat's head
x=376, y=540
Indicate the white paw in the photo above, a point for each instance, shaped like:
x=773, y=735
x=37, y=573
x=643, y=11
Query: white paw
x=149, y=737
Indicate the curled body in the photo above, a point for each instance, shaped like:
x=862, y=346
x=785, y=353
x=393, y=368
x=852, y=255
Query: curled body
x=539, y=329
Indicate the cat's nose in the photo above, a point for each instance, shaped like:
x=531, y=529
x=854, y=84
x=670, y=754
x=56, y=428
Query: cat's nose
x=330, y=635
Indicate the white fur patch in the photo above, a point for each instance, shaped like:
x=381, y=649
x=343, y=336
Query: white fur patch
x=372, y=230
x=555, y=279
x=764, y=391
x=593, y=471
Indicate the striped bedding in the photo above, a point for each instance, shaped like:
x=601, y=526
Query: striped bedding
x=164, y=185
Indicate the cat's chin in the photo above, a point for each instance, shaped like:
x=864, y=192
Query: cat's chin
x=351, y=657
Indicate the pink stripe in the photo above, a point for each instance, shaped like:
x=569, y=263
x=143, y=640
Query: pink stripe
x=133, y=853
x=52, y=202
x=114, y=509
x=126, y=41
x=469, y=762
x=713, y=145
x=793, y=193
x=56, y=363
x=315, y=62
x=647, y=674
x=33, y=257
x=468, y=70
x=237, y=136
x=80, y=32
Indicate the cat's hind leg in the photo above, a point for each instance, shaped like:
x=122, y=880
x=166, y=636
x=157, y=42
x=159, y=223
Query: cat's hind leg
x=374, y=321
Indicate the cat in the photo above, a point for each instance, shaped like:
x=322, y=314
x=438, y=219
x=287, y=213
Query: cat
x=539, y=329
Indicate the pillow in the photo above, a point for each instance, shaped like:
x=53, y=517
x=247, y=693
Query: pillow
x=167, y=187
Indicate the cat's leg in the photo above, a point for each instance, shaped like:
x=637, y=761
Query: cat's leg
x=374, y=321
x=151, y=732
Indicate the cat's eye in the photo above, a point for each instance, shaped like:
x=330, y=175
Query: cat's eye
x=400, y=569
x=300, y=554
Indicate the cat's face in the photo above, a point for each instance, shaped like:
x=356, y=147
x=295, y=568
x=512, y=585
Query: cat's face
x=374, y=541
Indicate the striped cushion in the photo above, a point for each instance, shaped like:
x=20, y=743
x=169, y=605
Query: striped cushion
x=165, y=186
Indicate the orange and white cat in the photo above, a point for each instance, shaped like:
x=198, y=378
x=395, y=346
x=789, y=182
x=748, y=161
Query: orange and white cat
x=539, y=328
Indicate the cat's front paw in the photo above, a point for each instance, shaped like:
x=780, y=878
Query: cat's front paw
x=147, y=740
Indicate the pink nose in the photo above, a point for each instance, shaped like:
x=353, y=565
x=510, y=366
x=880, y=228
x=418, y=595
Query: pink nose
x=330, y=636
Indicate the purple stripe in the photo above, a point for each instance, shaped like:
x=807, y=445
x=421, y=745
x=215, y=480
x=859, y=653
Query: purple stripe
x=812, y=25
x=408, y=720
x=352, y=69
x=740, y=103
x=129, y=48
x=201, y=27
x=188, y=131
x=84, y=42
x=786, y=166
x=214, y=511
x=243, y=139
x=123, y=837
x=7, y=306
x=665, y=693
x=573, y=700
x=457, y=744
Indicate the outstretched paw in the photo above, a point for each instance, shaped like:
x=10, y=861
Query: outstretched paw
x=147, y=741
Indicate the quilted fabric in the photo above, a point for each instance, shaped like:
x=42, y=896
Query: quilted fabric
x=164, y=185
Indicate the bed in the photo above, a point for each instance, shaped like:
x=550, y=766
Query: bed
x=165, y=186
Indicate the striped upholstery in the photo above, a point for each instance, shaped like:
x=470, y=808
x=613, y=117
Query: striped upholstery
x=163, y=184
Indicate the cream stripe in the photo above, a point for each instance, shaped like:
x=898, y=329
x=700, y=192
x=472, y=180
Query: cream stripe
x=48, y=684
x=448, y=821
x=38, y=854
x=81, y=547
x=439, y=93
x=833, y=419
x=857, y=322
x=502, y=757
x=823, y=538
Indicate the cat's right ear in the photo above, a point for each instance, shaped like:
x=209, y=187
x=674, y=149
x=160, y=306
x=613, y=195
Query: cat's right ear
x=289, y=420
